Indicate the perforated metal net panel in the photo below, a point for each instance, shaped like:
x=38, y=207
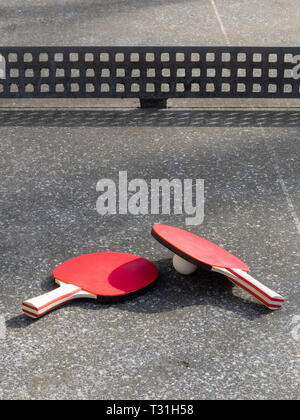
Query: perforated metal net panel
x=149, y=73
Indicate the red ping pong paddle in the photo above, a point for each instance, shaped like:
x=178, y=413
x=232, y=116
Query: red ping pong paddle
x=105, y=276
x=205, y=254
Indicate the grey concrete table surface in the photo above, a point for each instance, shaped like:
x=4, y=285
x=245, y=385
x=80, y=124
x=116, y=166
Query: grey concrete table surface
x=194, y=337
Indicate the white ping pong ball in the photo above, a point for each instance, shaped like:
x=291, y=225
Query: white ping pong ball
x=182, y=266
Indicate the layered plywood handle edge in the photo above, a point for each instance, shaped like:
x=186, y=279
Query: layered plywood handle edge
x=40, y=305
x=264, y=294
x=268, y=297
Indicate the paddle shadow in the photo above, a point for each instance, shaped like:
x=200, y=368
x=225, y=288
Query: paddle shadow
x=205, y=288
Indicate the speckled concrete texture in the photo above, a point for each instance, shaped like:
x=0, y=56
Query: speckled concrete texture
x=193, y=337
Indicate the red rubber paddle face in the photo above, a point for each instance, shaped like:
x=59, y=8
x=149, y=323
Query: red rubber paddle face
x=194, y=247
x=107, y=273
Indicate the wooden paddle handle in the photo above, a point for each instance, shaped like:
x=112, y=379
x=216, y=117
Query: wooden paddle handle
x=42, y=304
x=261, y=292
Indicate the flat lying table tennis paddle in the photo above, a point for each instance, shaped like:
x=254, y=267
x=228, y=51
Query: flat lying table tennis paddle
x=105, y=276
x=193, y=251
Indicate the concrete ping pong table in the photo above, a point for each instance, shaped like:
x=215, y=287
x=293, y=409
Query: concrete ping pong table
x=71, y=116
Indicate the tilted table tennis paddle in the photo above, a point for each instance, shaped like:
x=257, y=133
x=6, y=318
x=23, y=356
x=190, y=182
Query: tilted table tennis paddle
x=106, y=276
x=205, y=254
